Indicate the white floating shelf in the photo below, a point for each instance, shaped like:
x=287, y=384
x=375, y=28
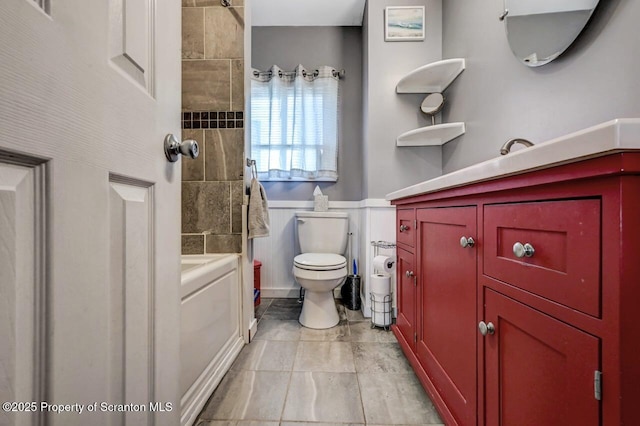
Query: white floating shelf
x=435, y=135
x=432, y=78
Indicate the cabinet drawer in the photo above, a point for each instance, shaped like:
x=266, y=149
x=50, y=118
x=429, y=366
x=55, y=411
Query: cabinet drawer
x=406, y=232
x=565, y=237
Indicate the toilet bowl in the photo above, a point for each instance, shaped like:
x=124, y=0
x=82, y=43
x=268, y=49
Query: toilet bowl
x=319, y=274
x=321, y=267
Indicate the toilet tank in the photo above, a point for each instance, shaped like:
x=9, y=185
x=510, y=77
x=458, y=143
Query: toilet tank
x=322, y=232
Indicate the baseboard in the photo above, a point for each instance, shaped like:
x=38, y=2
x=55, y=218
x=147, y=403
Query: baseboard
x=253, y=329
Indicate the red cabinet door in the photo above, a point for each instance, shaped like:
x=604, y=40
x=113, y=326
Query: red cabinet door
x=447, y=334
x=539, y=371
x=406, y=320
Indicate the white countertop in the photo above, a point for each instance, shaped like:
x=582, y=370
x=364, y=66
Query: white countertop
x=616, y=135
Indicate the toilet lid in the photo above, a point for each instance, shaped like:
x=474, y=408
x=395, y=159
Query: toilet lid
x=320, y=261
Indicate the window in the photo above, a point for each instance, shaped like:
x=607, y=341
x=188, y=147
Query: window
x=294, y=124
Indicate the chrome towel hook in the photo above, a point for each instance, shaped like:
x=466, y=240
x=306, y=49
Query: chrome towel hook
x=225, y=3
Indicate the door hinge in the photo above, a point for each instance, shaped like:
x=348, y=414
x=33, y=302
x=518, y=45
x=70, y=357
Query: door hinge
x=415, y=224
x=597, y=385
x=415, y=337
x=415, y=280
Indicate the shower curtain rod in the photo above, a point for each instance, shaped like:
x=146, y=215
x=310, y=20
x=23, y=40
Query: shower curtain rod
x=338, y=74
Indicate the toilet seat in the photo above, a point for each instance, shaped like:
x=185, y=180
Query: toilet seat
x=319, y=261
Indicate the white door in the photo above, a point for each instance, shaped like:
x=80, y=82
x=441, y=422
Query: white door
x=89, y=211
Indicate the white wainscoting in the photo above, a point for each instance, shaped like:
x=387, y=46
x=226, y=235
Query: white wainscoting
x=371, y=219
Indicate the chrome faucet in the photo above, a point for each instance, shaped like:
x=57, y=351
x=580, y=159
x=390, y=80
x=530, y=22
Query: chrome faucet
x=506, y=148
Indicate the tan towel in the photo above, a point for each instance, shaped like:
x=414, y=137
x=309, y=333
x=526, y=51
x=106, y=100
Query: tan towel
x=258, y=210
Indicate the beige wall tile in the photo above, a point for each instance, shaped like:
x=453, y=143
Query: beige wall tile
x=223, y=154
x=193, y=170
x=217, y=33
x=206, y=207
x=193, y=244
x=224, y=33
x=206, y=85
x=237, y=193
x=224, y=243
x=192, y=33
x=237, y=85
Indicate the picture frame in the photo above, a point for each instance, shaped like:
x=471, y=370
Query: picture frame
x=404, y=23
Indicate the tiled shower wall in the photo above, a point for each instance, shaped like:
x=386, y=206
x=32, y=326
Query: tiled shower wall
x=213, y=114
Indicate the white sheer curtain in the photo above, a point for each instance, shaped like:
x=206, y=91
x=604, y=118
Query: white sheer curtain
x=294, y=124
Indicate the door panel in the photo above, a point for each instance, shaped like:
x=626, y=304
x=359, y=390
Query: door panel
x=447, y=330
x=539, y=371
x=407, y=302
x=131, y=301
x=131, y=42
x=21, y=288
x=112, y=211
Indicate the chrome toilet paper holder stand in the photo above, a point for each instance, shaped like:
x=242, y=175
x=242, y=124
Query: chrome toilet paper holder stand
x=377, y=245
x=381, y=307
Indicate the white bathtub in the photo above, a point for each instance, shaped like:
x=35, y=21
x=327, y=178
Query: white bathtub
x=210, y=336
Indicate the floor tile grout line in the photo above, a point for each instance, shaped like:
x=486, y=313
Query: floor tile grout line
x=286, y=394
x=364, y=414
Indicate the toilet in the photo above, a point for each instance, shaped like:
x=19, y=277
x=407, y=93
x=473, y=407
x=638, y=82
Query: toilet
x=321, y=267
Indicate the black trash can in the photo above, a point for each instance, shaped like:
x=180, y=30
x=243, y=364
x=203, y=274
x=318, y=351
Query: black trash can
x=350, y=292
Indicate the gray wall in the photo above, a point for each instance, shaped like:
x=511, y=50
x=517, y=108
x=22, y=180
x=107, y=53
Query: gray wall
x=498, y=98
x=341, y=48
x=387, y=114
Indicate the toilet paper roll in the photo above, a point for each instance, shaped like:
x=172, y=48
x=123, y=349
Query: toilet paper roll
x=384, y=264
x=379, y=284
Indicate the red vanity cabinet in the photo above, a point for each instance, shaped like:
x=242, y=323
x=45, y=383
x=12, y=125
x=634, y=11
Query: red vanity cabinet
x=527, y=296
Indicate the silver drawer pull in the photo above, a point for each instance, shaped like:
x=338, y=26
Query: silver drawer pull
x=409, y=274
x=486, y=328
x=404, y=228
x=523, y=250
x=467, y=242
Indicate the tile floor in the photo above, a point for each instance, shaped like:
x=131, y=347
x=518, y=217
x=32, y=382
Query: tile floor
x=294, y=376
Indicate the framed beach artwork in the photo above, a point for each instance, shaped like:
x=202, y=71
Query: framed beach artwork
x=404, y=23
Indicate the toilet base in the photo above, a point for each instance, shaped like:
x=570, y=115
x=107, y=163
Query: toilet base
x=319, y=310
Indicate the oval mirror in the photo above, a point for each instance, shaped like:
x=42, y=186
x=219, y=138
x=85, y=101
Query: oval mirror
x=540, y=30
x=432, y=104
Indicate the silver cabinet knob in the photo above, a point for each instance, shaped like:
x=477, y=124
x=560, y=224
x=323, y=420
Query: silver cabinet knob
x=467, y=242
x=486, y=328
x=173, y=148
x=404, y=228
x=523, y=250
x=409, y=274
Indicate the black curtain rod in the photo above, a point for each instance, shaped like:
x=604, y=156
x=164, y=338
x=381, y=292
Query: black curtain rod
x=335, y=73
